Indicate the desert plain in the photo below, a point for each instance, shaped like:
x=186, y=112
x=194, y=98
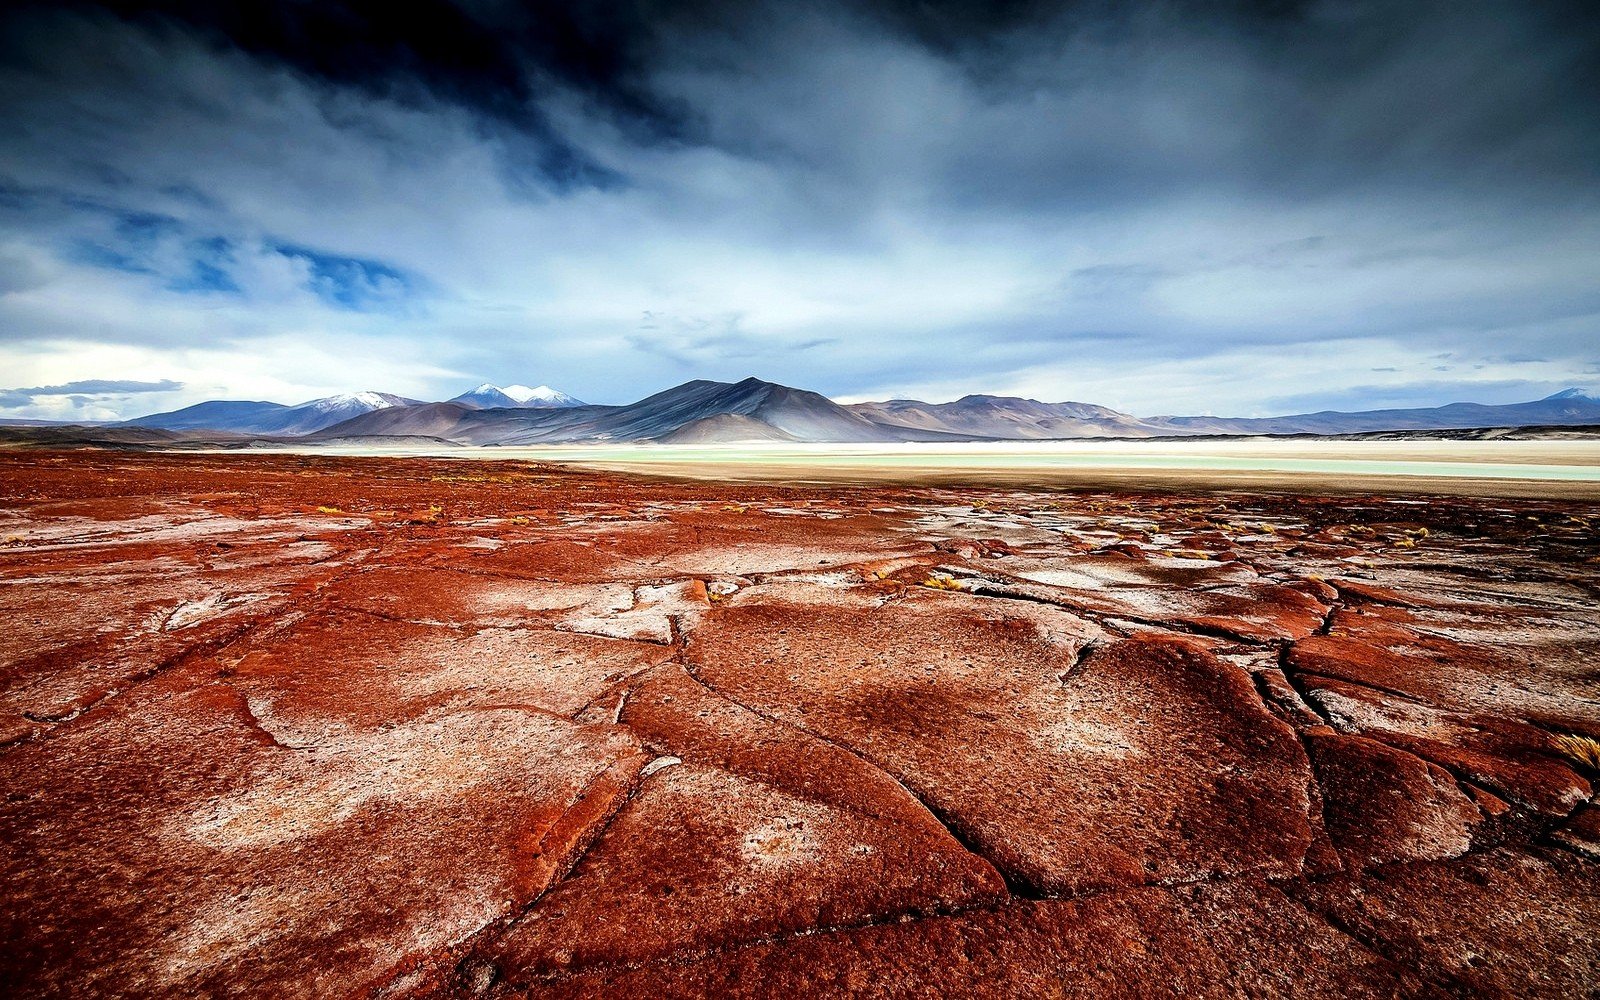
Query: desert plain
x=330, y=725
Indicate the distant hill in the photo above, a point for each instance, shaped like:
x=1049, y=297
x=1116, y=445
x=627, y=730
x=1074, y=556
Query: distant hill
x=1568, y=407
x=101, y=436
x=726, y=428
x=256, y=417
x=703, y=411
x=786, y=413
x=1010, y=417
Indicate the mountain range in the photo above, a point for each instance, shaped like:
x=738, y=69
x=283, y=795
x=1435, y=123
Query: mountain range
x=489, y=396
x=703, y=411
x=255, y=417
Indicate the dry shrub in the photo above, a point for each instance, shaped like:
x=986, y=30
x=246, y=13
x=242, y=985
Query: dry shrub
x=1583, y=750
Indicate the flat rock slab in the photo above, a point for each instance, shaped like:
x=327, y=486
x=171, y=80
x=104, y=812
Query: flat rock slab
x=174, y=846
x=302, y=725
x=1504, y=923
x=1227, y=599
x=1146, y=760
x=1381, y=804
x=1536, y=663
x=1210, y=942
x=1515, y=760
x=756, y=830
x=305, y=677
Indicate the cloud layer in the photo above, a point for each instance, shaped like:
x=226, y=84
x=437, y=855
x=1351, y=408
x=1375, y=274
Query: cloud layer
x=1165, y=207
x=86, y=399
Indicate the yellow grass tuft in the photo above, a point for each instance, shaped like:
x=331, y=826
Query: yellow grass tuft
x=329, y=510
x=1584, y=750
x=942, y=583
x=429, y=516
x=513, y=477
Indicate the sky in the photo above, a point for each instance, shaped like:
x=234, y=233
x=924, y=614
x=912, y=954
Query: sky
x=1166, y=207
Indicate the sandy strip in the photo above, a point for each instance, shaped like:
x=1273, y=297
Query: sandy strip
x=1166, y=480
x=1565, y=469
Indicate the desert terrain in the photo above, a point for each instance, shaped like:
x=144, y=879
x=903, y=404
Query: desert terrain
x=303, y=725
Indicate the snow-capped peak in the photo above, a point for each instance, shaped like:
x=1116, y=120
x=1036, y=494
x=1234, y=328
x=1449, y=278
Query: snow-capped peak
x=1572, y=393
x=349, y=400
x=491, y=395
x=523, y=394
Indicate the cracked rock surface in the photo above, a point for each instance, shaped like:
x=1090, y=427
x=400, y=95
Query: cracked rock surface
x=287, y=726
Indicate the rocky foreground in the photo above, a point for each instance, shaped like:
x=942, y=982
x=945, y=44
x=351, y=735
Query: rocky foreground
x=282, y=726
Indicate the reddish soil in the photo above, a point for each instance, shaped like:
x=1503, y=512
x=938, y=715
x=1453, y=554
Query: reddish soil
x=288, y=726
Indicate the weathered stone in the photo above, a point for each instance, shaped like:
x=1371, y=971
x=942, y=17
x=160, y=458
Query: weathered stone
x=1381, y=804
x=174, y=845
x=302, y=726
x=1581, y=833
x=1147, y=761
x=1227, y=941
x=1510, y=758
x=1506, y=923
x=759, y=831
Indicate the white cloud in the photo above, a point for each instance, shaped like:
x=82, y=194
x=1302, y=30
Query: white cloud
x=854, y=213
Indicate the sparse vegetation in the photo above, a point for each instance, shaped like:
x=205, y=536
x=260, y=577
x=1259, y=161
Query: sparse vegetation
x=1582, y=750
x=507, y=477
x=942, y=581
x=428, y=516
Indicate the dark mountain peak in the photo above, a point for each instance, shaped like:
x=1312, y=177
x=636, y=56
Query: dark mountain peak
x=984, y=397
x=1000, y=402
x=746, y=390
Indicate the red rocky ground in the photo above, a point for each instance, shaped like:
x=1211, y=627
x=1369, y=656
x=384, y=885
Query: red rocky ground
x=283, y=726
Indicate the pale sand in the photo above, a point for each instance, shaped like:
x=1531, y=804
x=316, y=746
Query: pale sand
x=1565, y=469
x=1514, y=469
x=1167, y=480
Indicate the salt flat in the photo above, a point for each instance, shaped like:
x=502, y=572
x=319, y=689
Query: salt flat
x=1569, y=468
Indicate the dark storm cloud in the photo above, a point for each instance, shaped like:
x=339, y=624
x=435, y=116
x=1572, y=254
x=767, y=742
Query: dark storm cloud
x=492, y=57
x=1286, y=94
x=1158, y=202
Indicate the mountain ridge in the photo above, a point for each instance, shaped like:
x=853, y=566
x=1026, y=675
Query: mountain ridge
x=262, y=417
x=704, y=411
x=490, y=396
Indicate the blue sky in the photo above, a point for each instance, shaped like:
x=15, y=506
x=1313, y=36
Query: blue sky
x=1162, y=207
